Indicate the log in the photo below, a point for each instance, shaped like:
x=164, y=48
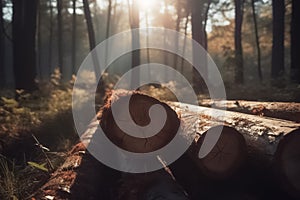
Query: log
x=287, y=158
x=282, y=110
x=139, y=109
x=225, y=158
x=231, y=141
x=159, y=184
x=271, y=142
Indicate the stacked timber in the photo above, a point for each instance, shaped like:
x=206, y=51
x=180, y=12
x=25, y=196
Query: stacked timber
x=270, y=141
x=282, y=110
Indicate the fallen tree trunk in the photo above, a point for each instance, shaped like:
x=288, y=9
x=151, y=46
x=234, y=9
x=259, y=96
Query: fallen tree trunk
x=138, y=124
x=160, y=184
x=281, y=110
x=222, y=165
x=225, y=158
x=270, y=141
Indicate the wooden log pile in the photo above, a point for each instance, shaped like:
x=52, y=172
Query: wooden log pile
x=282, y=110
x=243, y=138
x=269, y=141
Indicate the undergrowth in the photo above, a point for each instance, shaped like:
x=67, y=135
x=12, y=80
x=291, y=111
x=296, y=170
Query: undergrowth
x=46, y=114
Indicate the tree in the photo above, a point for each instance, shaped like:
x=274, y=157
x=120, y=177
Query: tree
x=295, y=41
x=135, y=24
x=60, y=35
x=50, y=37
x=2, y=71
x=108, y=21
x=24, y=32
x=74, y=29
x=256, y=40
x=198, y=36
x=91, y=33
x=239, y=66
x=278, y=39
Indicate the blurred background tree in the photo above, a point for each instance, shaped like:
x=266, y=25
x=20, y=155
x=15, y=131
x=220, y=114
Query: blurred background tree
x=251, y=41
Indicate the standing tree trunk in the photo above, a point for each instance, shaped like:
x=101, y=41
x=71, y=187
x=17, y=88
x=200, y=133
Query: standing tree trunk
x=257, y=41
x=198, y=36
x=239, y=65
x=60, y=35
x=50, y=38
x=278, y=39
x=108, y=22
x=2, y=68
x=178, y=10
x=135, y=24
x=92, y=39
x=205, y=24
x=295, y=41
x=24, y=32
x=39, y=41
x=74, y=30
x=184, y=42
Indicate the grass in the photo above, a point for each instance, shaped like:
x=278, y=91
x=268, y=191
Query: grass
x=46, y=113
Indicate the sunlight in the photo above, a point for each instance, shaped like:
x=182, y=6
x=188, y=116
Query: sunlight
x=147, y=4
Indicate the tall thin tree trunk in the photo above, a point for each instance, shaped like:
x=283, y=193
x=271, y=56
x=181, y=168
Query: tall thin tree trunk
x=74, y=31
x=135, y=24
x=108, y=22
x=177, y=39
x=92, y=40
x=165, y=24
x=184, y=42
x=257, y=41
x=50, y=39
x=278, y=39
x=2, y=66
x=295, y=41
x=60, y=35
x=239, y=64
x=205, y=25
x=39, y=41
x=147, y=43
x=197, y=35
x=24, y=54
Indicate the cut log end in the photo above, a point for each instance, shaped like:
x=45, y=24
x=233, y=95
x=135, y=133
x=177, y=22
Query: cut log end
x=226, y=156
x=287, y=159
x=139, y=107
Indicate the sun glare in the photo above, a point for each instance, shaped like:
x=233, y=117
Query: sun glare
x=147, y=4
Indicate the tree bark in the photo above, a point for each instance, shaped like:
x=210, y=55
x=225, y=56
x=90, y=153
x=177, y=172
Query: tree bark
x=205, y=24
x=50, y=38
x=135, y=24
x=278, y=39
x=2, y=66
x=295, y=42
x=108, y=22
x=39, y=41
x=198, y=36
x=24, y=32
x=272, y=143
x=257, y=41
x=92, y=40
x=60, y=35
x=281, y=110
x=184, y=42
x=74, y=31
x=239, y=66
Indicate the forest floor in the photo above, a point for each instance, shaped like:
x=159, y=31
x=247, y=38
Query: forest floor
x=47, y=115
